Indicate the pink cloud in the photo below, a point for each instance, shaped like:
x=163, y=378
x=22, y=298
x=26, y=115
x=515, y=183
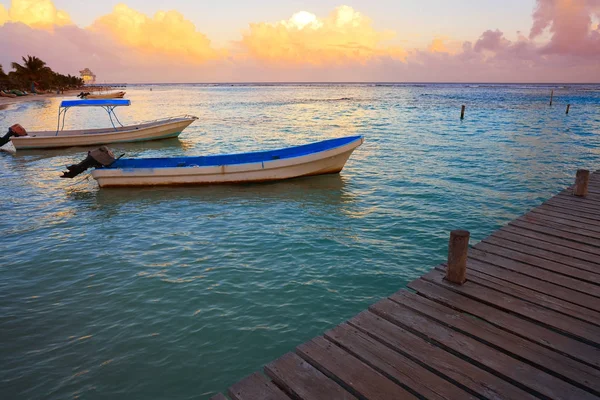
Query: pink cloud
x=570, y=23
x=571, y=54
x=492, y=41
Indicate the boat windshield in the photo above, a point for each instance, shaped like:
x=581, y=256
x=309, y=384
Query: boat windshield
x=108, y=105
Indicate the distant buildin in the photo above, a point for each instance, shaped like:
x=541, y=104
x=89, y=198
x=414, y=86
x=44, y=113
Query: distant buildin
x=88, y=76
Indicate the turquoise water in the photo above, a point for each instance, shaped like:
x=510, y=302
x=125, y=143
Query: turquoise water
x=179, y=292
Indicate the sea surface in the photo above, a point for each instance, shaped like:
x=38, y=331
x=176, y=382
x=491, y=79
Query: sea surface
x=179, y=292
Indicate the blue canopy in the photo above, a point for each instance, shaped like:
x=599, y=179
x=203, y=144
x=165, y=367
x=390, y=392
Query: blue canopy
x=95, y=103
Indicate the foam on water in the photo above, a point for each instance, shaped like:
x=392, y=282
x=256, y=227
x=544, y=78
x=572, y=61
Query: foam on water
x=178, y=292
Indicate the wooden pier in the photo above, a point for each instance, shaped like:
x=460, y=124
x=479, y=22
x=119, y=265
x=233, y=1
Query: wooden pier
x=525, y=324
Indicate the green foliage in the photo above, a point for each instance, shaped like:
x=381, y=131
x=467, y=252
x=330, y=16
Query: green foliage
x=34, y=70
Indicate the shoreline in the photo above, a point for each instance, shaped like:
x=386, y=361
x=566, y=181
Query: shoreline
x=5, y=102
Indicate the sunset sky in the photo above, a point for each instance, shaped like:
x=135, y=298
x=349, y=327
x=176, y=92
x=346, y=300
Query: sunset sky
x=325, y=40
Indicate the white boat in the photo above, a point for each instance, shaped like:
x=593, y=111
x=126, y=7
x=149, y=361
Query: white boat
x=150, y=130
x=325, y=157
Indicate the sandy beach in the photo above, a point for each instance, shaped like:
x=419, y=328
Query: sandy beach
x=7, y=101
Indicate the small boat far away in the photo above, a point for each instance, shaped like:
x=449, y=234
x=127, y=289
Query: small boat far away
x=151, y=130
x=324, y=157
x=92, y=96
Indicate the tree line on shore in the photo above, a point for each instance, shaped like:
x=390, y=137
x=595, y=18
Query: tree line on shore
x=34, y=75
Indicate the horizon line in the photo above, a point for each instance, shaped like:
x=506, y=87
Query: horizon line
x=342, y=82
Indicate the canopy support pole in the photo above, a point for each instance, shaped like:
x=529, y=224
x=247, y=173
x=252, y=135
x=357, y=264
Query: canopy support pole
x=61, y=111
x=111, y=112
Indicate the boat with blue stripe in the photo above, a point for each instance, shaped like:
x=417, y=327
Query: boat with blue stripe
x=323, y=157
x=117, y=133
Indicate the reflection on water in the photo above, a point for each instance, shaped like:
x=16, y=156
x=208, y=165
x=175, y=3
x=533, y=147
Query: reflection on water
x=326, y=189
x=133, y=293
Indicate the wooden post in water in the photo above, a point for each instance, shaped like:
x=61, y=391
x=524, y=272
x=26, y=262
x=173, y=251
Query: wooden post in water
x=458, y=247
x=568, y=106
x=462, y=112
x=551, y=96
x=581, y=183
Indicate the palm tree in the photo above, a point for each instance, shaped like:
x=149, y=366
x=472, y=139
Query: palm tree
x=2, y=74
x=33, y=69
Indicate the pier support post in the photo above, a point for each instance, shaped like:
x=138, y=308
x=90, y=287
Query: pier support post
x=568, y=106
x=462, y=112
x=581, y=183
x=458, y=247
x=551, y=96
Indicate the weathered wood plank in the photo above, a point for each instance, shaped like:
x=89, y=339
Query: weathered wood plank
x=560, y=253
x=589, y=270
x=592, y=196
x=554, y=363
x=255, y=386
x=453, y=368
x=533, y=271
x=561, y=223
x=563, y=323
x=583, y=222
x=505, y=249
x=510, y=369
x=350, y=372
x=509, y=322
x=303, y=381
x=533, y=283
x=572, y=211
x=576, y=203
x=393, y=365
x=555, y=237
x=541, y=299
x=590, y=199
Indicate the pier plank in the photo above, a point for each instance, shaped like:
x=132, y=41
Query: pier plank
x=507, y=321
x=535, y=284
x=535, y=272
x=303, y=381
x=554, y=363
x=591, y=217
x=582, y=221
x=496, y=246
x=577, y=203
x=510, y=369
x=457, y=370
x=555, y=236
x=523, y=293
x=563, y=254
x=590, y=199
x=561, y=223
x=256, y=386
x=350, y=372
x=393, y=365
x=563, y=323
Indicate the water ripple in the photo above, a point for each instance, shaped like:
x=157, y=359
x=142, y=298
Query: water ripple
x=178, y=292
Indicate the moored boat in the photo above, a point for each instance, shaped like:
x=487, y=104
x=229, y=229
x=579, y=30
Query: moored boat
x=151, y=130
x=324, y=157
x=92, y=96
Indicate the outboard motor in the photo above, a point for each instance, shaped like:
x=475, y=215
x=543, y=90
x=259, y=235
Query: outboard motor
x=101, y=157
x=15, y=130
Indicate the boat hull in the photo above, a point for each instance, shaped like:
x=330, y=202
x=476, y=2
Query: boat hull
x=326, y=162
x=94, y=137
x=118, y=95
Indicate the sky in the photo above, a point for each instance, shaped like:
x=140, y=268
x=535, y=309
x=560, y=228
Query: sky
x=144, y=41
